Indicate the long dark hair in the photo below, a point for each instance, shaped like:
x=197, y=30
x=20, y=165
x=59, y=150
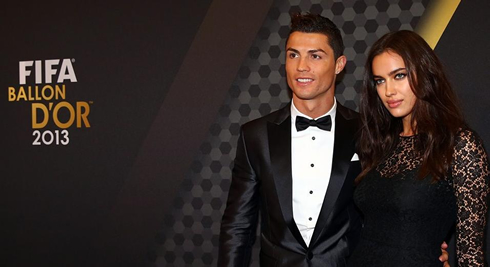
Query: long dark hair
x=436, y=116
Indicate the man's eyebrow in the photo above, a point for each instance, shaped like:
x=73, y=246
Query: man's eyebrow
x=312, y=51
x=292, y=50
x=316, y=51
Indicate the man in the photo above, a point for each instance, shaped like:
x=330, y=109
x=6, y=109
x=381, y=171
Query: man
x=301, y=182
x=288, y=167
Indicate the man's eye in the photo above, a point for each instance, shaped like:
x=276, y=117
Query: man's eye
x=293, y=55
x=316, y=56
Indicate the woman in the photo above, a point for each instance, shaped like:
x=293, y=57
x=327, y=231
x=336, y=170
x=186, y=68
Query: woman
x=424, y=170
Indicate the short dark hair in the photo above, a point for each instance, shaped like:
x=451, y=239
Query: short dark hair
x=314, y=23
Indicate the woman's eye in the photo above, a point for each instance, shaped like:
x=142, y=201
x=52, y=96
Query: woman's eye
x=399, y=76
x=379, y=81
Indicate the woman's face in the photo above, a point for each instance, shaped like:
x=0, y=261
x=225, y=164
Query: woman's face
x=391, y=79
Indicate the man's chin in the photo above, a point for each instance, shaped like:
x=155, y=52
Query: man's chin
x=305, y=96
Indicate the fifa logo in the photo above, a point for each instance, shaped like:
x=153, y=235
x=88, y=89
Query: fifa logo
x=43, y=83
x=51, y=67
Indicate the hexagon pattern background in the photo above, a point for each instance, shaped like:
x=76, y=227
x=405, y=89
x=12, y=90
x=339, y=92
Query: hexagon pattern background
x=190, y=234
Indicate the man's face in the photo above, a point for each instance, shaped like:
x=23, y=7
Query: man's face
x=311, y=67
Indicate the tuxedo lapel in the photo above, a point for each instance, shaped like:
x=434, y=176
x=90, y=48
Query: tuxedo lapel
x=342, y=154
x=279, y=136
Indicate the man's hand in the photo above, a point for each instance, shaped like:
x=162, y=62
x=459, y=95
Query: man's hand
x=444, y=258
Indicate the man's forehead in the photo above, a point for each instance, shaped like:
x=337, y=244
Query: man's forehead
x=308, y=41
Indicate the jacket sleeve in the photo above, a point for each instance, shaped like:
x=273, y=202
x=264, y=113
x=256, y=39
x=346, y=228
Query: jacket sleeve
x=240, y=219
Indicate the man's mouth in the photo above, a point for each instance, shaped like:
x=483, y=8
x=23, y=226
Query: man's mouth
x=304, y=80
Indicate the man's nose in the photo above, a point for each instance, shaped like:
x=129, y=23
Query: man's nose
x=303, y=65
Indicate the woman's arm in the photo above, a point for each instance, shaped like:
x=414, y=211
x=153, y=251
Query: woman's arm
x=470, y=172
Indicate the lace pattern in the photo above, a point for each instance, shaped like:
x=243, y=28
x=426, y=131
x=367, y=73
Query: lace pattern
x=404, y=159
x=469, y=177
x=470, y=173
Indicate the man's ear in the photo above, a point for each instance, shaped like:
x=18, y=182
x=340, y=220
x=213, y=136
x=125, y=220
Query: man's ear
x=340, y=64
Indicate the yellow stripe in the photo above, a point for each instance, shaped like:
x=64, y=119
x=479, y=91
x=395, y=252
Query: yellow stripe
x=435, y=20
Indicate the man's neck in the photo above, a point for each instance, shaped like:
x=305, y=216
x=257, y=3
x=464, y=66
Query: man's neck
x=313, y=108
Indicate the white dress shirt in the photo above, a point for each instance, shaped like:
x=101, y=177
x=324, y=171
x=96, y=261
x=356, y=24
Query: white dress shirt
x=311, y=163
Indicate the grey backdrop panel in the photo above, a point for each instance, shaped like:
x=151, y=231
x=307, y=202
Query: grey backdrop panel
x=190, y=234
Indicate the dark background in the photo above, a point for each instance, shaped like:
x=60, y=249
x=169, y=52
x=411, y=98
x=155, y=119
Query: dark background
x=169, y=83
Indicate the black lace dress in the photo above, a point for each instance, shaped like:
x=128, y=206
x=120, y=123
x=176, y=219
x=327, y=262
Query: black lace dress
x=407, y=219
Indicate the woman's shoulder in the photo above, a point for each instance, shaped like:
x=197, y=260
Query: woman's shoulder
x=467, y=136
x=468, y=146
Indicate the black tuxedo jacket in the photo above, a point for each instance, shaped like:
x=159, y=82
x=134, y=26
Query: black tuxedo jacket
x=262, y=181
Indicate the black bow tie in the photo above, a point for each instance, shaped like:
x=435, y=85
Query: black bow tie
x=324, y=123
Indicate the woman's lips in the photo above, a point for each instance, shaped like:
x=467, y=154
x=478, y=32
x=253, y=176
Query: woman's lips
x=394, y=103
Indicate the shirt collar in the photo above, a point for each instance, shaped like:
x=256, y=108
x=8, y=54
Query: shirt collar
x=295, y=112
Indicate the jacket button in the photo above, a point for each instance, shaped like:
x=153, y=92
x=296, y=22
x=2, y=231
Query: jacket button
x=309, y=256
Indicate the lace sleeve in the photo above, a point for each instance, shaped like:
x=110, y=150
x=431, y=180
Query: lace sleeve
x=471, y=173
